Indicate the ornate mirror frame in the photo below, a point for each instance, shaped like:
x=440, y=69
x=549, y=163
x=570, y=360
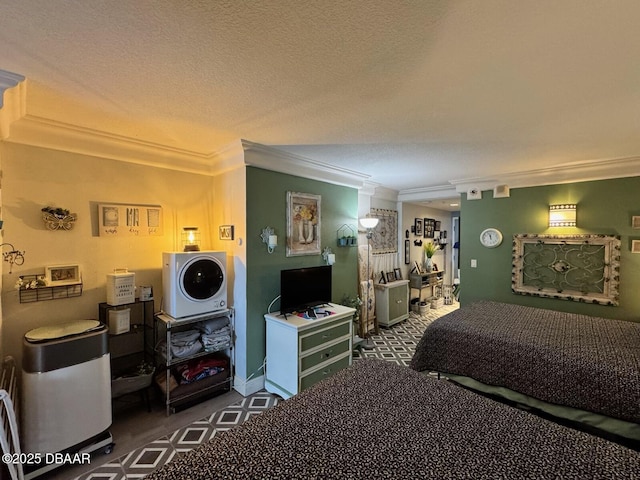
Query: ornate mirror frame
x=580, y=268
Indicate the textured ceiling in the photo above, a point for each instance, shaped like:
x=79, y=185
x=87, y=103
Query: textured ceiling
x=415, y=94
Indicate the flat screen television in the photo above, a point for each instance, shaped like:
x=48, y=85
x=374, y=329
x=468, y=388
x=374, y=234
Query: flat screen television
x=304, y=288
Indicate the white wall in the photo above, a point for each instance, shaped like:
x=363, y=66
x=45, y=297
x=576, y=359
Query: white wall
x=35, y=177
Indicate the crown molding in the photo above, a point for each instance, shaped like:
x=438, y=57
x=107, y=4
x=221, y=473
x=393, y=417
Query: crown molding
x=43, y=132
x=276, y=160
x=586, y=171
x=427, y=193
x=12, y=100
x=8, y=80
x=33, y=130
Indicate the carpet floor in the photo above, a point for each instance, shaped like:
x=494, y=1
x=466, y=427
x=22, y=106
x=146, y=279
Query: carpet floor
x=394, y=344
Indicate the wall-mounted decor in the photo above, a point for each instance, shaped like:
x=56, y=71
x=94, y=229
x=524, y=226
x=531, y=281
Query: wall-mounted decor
x=384, y=238
x=635, y=246
x=58, y=218
x=635, y=221
x=417, y=227
x=429, y=227
x=303, y=224
x=117, y=220
x=226, y=232
x=581, y=268
x=407, y=255
x=62, y=275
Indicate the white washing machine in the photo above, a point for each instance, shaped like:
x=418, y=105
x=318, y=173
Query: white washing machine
x=194, y=283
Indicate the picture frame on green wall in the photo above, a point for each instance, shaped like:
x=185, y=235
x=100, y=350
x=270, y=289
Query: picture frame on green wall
x=580, y=268
x=303, y=224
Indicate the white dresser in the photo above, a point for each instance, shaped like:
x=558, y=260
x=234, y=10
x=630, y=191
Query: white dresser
x=301, y=352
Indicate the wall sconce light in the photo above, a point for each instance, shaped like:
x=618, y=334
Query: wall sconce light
x=190, y=239
x=563, y=215
x=329, y=256
x=269, y=238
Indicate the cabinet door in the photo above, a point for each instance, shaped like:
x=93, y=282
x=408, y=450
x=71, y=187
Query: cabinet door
x=398, y=301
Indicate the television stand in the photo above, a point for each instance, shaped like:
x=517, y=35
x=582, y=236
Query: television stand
x=300, y=352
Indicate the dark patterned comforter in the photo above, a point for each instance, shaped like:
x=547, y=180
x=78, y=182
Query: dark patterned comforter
x=378, y=420
x=567, y=359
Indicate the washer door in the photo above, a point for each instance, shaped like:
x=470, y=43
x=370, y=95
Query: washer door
x=201, y=279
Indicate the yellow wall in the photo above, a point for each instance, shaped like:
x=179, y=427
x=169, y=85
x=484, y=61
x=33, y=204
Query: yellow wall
x=35, y=177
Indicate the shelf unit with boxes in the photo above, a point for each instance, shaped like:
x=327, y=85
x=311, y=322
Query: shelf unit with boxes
x=179, y=364
x=130, y=336
x=432, y=282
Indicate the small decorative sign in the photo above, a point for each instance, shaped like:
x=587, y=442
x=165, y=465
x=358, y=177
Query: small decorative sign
x=117, y=220
x=226, y=232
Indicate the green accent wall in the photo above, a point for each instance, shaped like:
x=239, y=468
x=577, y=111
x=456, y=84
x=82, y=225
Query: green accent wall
x=604, y=207
x=266, y=207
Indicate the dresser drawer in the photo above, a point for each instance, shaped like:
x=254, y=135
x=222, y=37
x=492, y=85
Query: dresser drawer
x=313, y=340
x=328, y=370
x=324, y=355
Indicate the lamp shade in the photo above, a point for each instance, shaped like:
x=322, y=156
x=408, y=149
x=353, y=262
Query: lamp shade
x=563, y=215
x=369, y=222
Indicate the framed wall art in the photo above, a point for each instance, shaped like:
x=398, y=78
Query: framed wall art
x=62, y=275
x=117, y=220
x=580, y=268
x=429, y=227
x=303, y=224
x=225, y=232
x=417, y=227
x=384, y=237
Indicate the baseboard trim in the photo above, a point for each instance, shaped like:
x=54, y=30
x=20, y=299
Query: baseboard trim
x=246, y=388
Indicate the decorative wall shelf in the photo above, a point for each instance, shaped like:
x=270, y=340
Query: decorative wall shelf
x=39, y=294
x=347, y=236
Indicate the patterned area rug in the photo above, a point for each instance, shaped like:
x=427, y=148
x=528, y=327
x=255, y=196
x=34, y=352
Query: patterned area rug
x=394, y=344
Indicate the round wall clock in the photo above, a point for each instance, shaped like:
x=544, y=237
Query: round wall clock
x=491, y=237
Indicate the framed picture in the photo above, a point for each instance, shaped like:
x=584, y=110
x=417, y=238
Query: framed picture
x=397, y=273
x=438, y=225
x=579, y=268
x=391, y=277
x=62, y=275
x=416, y=267
x=123, y=220
x=226, y=232
x=635, y=221
x=303, y=224
x=635, y=246
x=407, y=249
x=434, y=267
x=417, y=227
x=429, y=227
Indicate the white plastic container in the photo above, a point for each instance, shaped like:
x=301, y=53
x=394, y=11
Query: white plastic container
x=121, y=287
x=119, y=321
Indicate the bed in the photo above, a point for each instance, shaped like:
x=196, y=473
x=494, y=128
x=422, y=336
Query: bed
x=575, y=367
x=377, y=419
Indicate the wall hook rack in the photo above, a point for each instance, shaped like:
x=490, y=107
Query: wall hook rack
x=13, y=257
